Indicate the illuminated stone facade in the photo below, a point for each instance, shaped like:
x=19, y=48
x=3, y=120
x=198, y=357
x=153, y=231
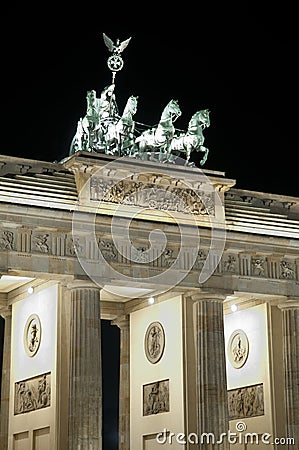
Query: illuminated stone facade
x=96, y=237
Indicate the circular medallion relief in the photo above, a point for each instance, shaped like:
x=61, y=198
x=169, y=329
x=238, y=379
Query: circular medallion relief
x=154, y=342
x=32, y=335
x=238, y=348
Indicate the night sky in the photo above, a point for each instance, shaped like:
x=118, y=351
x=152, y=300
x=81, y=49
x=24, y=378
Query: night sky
x=239, y=61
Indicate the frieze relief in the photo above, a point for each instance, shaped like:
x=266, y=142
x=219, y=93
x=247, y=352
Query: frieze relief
x=26, y=241
x=260, y=201
x=153, y=196
x=246, y=402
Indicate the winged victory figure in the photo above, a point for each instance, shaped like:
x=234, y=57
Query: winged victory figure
x=116, y=48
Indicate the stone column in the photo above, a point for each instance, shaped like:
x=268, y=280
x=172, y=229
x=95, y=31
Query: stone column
x=211, y=368
x=123, y=323
x=290, y=317
x=85, y=372
x=5, y=386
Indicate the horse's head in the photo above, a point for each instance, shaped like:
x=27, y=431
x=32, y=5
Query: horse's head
x=133, y=103
x=173, y=108
x=131, y=106
x=204, y=117
x=91, y=97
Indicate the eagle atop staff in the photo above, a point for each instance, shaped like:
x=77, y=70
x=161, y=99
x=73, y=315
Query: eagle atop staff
x=116, y=48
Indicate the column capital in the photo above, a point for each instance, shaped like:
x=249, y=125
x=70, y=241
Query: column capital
x=122, y=321
x=83, y=284
x=289, y=304
x=5, y=311
x=207, y=295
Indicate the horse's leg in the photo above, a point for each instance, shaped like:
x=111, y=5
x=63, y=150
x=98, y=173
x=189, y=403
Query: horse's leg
x=188, y=153
x=206, y=150
x=162, y=153
x=142, y=150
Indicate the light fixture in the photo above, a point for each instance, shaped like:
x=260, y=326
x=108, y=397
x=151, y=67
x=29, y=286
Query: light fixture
x=151, y=300
x=30, y=290
x=234, y=308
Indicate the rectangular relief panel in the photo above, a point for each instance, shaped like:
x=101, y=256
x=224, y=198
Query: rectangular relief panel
x=246, y=402
x=32, y=394
x=156, y=397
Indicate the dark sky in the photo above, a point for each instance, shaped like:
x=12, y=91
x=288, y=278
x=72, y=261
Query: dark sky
x=238, y=61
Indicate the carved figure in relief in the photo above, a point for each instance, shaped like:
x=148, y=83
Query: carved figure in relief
x=108, y=250
x=74, y=246
x=139, y=254
x=156, y=398
x=258, y=266
x=41, y=242
x=286, y=270
x=32, y=335
x=33, y=339
x=200, y=259
x=229, y=265
x=246, y=402
x=168, y=256
x=249, y=397
x=239, y=398
x=6, y=240
x=43, y=391
x=26, y=400
x=238, y=348
x=154, y=341
x=21, y=392
x=239, y=351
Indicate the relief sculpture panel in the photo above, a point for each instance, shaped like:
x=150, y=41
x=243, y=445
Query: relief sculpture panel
x=156, y=397
x=32, y=394
x=246, y=402
x=154, y=196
